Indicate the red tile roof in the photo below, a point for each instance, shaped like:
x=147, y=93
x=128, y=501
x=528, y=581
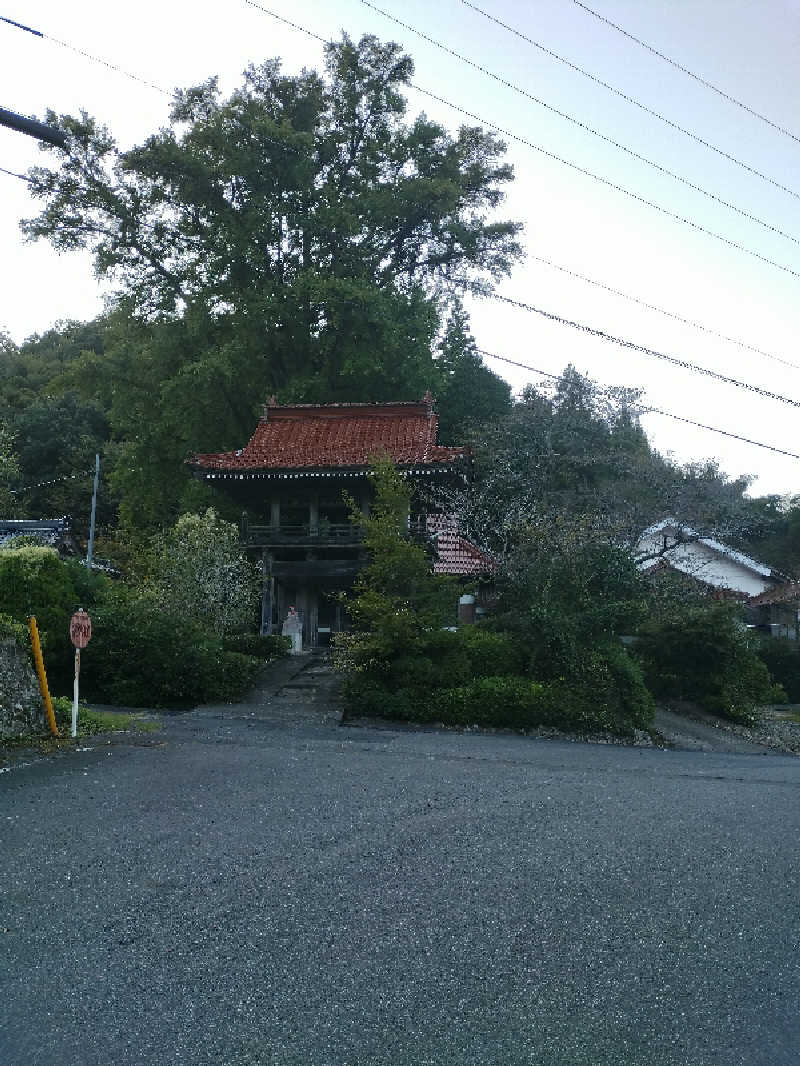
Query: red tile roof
x=307, y=436
x=454, y=554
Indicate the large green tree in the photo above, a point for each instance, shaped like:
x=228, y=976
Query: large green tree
x=299, y=237
x=470, y=394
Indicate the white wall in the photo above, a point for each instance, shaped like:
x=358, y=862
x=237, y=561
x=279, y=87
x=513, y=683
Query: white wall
x=705, y=564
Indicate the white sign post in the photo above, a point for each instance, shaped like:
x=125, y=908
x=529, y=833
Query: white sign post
x=80, y=633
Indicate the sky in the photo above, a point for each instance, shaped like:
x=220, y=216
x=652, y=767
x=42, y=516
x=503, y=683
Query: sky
x=573, y=221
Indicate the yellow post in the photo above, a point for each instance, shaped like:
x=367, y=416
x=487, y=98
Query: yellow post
x=37, y=658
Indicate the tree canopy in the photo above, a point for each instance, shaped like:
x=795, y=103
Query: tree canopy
x=300, y=237
x=576, y=454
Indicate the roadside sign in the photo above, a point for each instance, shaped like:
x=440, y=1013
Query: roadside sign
x=80, y=629
x=80, y=633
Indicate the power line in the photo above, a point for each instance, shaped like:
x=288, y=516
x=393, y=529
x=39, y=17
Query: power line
x=13, y=174
x=684, y=364
x=86, y=55
x=280, y=18
x=648, y=410
x=691, y=74
x=662, y=311
x=582, y=125
x=557, y=158
x=21, y=26
x=53, y=481
x=608, y=182
x=631, y=100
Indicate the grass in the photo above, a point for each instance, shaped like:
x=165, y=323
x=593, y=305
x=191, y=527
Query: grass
x=90, y=723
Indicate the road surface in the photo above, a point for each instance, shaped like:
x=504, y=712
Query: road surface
x=259, y=886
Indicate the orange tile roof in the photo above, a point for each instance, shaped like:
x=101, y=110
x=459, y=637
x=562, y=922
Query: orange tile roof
x=314, y=436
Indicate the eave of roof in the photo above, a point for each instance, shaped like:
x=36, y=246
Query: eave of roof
x=315, y=440
x=691, y=536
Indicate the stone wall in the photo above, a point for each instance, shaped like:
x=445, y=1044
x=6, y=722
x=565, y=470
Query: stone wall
x=21, y=710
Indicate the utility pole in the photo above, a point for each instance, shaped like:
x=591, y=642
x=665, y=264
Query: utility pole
x=90, y=551
x=39, y=130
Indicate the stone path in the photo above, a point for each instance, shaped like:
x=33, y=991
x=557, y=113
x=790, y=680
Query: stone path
x=297, y=691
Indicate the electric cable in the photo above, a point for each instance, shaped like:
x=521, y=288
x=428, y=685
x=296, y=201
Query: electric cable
x=641, y=409
x=662, y=311
x=583, y=125
x=684, y=364
x=558, y=159
x=691, y=74
x=53, y=481
x=13, y=174
x=606, y=181
x=551, y=155
x=631, y=100
x=86, y=55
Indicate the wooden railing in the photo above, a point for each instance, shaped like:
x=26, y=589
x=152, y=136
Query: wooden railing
x=324, y=534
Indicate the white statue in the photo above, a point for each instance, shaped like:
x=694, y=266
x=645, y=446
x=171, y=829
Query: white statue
x=293, y=628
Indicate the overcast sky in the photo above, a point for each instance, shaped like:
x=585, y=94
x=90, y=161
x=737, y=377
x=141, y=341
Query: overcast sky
x=748, y=50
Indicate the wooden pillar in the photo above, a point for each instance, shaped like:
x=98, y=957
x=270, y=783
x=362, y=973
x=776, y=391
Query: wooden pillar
x=275, y=513
x=313, y=514
x=267, y=590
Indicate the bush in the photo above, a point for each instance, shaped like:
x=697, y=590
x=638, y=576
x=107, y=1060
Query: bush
x=267, y=647
x=34, y=581
x=607, y=692
x=609, y=695
x=704, y=654
x=200, y=569
x=782, y=659
x=144, y=656
x=509, y=702
x=364, y=696
x=492, y=654
x=10, y=629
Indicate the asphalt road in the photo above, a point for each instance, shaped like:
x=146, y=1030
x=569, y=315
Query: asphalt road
x=249, y=890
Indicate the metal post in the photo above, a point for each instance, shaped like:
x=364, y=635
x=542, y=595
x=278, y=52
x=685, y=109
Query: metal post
x=94, y=510
x=75, y=692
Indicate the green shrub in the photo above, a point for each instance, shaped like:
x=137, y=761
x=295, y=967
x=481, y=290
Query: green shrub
x=143, y=656
x=510, y=702
x=492, y=654
x=607, y=695
x=11, y=629
x=434, y=659
x=35, y=581
x=782, y=659
x=607, y=692
x=267, y=647
x=366, y=697
x=704, y=654
x=90, y=586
